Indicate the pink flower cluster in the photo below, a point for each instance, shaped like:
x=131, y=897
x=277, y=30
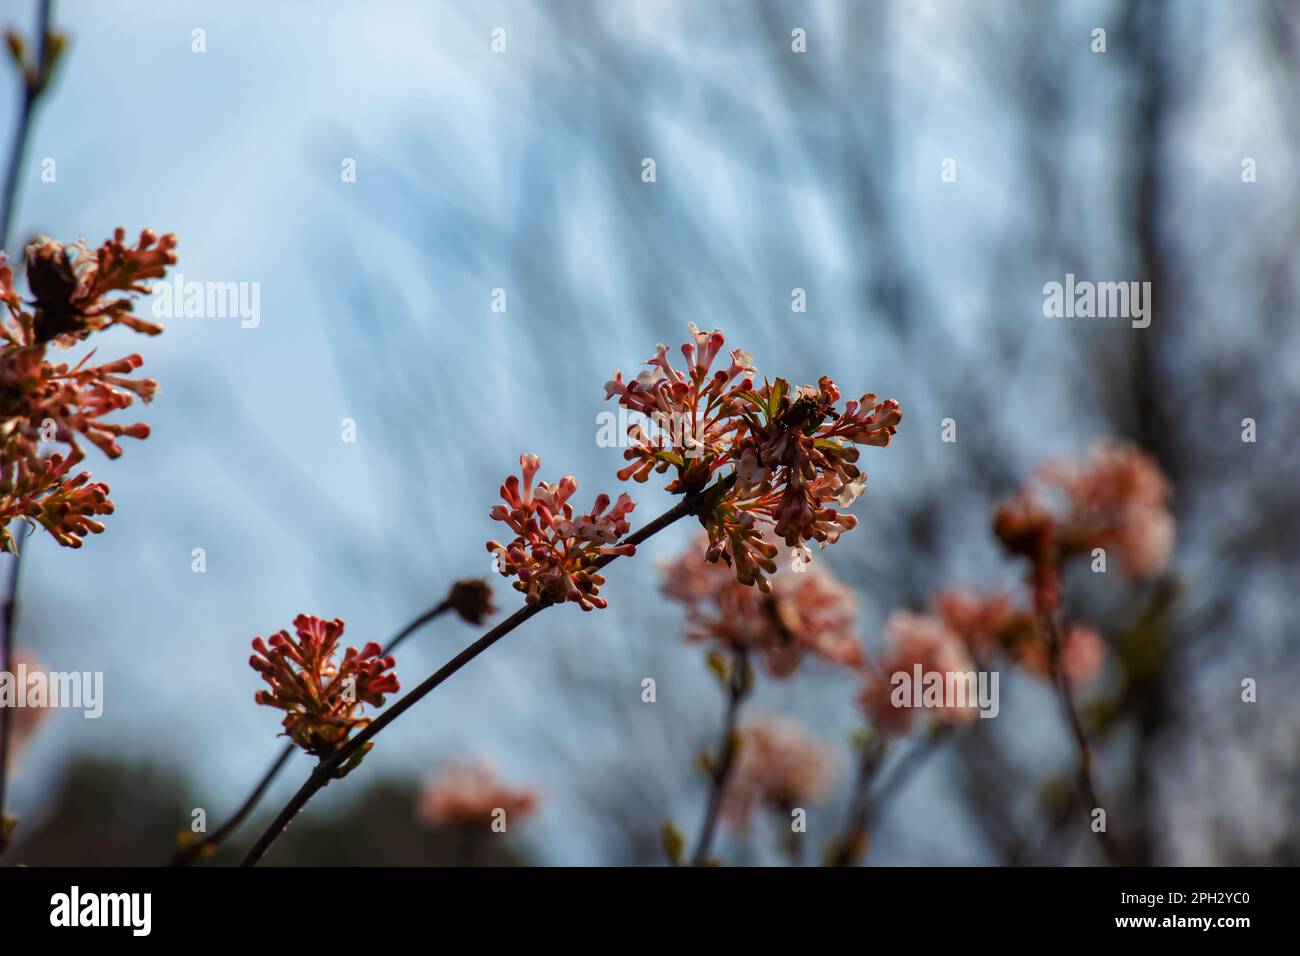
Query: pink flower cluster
x=321, y=697
x=688, y=411
x=556, y=555
x=26, y=719
x=804, y=613
x=789, y=453
x=470, y=793
x=1116, y=500
x=964, y=632
x=911, y=640
x=992, y=624
x=41, y=400
x=778, y=767
x=45, y=490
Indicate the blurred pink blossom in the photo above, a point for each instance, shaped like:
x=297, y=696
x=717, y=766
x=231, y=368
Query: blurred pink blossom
x=471, y=793
x=1116, y=500
x=778, y=767
x=806, y=612
x=910, y=640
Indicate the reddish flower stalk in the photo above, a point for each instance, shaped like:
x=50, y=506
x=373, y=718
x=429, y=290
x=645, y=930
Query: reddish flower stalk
x=324, y=771
x=802, y=450
x=470, y=598
x=1116, y=501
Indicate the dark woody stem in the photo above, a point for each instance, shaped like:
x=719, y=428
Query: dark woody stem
x=738, y=684
x=32, y=89
x=1084, y=777
x=849, y=848
x=187, y=855
x=870, y=798
x=7, y=619
x=325, y=770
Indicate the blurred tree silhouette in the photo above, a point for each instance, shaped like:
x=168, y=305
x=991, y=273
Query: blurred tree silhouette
x=106, y=813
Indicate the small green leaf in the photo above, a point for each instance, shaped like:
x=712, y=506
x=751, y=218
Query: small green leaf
x=8, y=823
x=719, y=665
x=353, y=762
x=673, y=841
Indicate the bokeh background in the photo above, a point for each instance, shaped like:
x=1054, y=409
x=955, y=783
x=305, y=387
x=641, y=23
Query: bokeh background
x=775, y=170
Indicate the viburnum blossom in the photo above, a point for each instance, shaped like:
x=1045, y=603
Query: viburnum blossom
x=25, y=718
x=41, y=400
x=980, y=620
x=470, y=793
x=1116, y=500
x=1082, y=655
x=807, y=612
x=690, y=412
x=778, y=767
x=787, y=454
x=990, y=624
x=556, y=554
x=910, y=640
x=321, y=697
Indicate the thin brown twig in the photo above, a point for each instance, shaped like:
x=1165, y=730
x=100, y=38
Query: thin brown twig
x=33, y=87
x=1084, y=775
x=324, y=771
x=7, y=620
x=188, y=854
x=849, y=847
x=738, y=684
x=869, y=799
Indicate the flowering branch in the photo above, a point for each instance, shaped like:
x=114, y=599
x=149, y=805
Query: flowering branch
x=1087, y=788
x=36, y=78
x=779, y=454
x=329, y=765
x=740, y=679
x=1115, y=501
x=471, y=599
